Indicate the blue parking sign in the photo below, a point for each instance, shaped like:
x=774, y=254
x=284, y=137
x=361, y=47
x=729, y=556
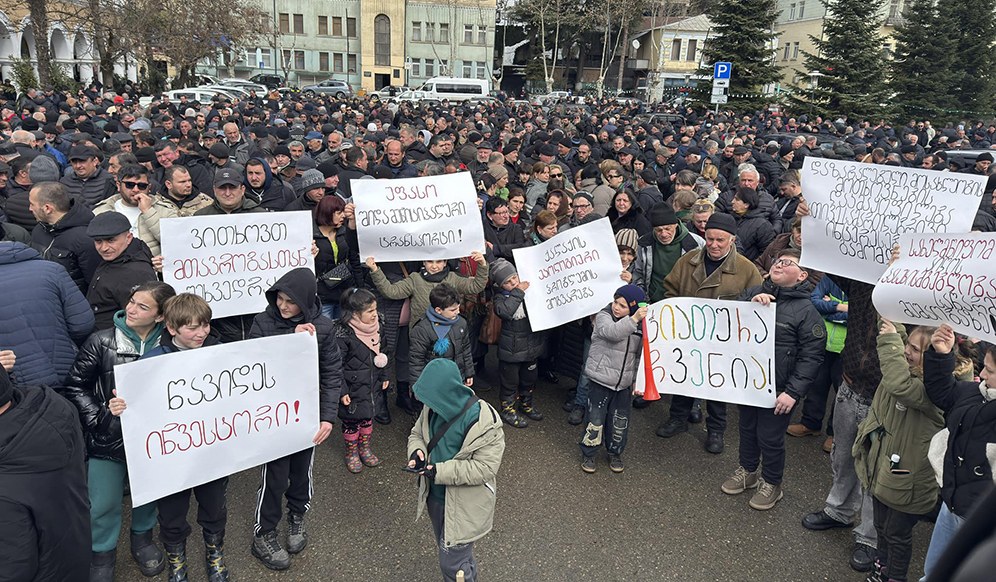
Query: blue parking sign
x=722, y=70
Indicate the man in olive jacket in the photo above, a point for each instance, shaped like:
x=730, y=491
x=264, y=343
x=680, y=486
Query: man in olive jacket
x=457, y=474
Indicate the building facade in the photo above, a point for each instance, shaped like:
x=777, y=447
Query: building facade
x=669, y=56
x=71, y=47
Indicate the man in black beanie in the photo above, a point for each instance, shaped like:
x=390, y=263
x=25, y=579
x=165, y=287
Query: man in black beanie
x=716, y=271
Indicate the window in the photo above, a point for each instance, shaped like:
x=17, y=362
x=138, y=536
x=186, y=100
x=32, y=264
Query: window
x=468, y=34
x=416, y=31
x=323, y=62
x=299, y=24
x=284, y=23
x=788, y=49
x=430, y=31
x=382, y=40
x=263, y=59
x=429, y=68
x=792, y=11
x=351, y=63
x=692, y=46
x=482, y=35
x=467, y=69
x=482, y=71
x=795, y=51
x=337, y=62
x=337, y=26
x=676, y=49
x=444, y=67
x=299, y=60
x=444, y=32
x=351, y=28
x=416, y=67
x=802, y=9
x=323, y=25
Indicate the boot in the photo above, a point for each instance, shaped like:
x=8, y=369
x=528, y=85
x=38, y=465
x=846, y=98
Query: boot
x=297, y=536
x=147, y=555
x=214, y=557
x=511, y=417
x=102, y=566
x=353, y=462
x=526, y=406
x=366, y=455
x=176, y=557
x=382, y=414
x=404, y=400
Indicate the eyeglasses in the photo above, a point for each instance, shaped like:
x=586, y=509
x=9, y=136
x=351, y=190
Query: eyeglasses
x=784, y=263
x=501, y=212
x=557, y=175
x=615, y=176
x=132, y=185
x=585, y=205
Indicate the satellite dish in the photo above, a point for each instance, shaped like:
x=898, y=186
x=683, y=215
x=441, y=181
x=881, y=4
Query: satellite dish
x=636, y=44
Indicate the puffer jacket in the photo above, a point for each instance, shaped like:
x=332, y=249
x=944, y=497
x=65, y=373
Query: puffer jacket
x=326, y=260
x=416, y=287
x=43, y=316
x=90, y=385
x=93, y=190
x=615, y=351
x=66, y=243
x=688, y=277
x=299, y=284
x=422, y=338
x=360, y=376
x=517, y=342
x=165, y=207
x=754, y=233
x=901, y=421
x=800, y=336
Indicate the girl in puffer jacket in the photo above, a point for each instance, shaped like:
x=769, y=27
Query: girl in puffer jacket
x=518, y=346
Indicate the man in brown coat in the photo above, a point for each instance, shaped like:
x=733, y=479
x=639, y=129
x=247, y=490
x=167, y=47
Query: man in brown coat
x=714, y=272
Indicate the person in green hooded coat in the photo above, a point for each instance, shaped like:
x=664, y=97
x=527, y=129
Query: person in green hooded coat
x=456, y=448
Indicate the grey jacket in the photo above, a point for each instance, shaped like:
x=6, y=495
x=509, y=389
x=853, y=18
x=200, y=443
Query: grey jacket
x=615, y=350
x=644, y=264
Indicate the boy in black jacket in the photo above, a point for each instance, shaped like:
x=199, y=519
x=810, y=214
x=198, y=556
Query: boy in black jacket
x=442, y=333
x=800, y=340
x=294, y=308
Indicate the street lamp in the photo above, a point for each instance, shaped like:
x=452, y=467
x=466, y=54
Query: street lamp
x=814, y=78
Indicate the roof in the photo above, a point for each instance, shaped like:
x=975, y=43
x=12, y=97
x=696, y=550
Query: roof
x=699, y=23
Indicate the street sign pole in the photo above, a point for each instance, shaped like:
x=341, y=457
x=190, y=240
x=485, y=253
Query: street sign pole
x=721, y=73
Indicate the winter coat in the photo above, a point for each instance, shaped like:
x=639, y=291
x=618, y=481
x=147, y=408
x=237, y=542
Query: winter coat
x=754, y=233
x=274, y=195
x=165, y=207
x=417, y=288
x=247, y=206
x=13, y=233
x=971, y=423
x=422, y=338
x=504, y=239
x=900, y=421
x=786, y=207
x=202, y=177
x=535, y=192
x=615, y=350
x=18, y=206
x=517, y=342
x=299, y=284
x=66, y=243
x=800, y=337
x=766, y=205
x=835, y=321
x=93, y=190
x=345, y=240
x=688, y=277
x=643, y=266
x=113, y=281
x=90, y=386
x=633, y=218
x=360, y=376
x=43, y=316
x=602, y=196
x=44, y=502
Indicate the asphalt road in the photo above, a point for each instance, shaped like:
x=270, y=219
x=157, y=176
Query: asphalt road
x=664, y=518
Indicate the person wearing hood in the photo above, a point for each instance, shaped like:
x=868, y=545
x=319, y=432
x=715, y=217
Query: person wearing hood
x=44, y=526
x=754, y=232
x=800, y=340
x=455, y=448
x=611, y=369
x=262, y=188
x=61, y=232
x=294, y=307
x=126, y=262
x=137, y=329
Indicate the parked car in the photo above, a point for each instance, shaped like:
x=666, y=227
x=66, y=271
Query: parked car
x=389, y=91
x=244, y=84
x=415, y=97
x=270, y=81
x=334, y=87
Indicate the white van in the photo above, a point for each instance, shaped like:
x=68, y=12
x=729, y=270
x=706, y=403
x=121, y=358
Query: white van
x=456, y=89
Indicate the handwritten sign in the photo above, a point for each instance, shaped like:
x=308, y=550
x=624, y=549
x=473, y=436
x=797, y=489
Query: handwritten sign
x=231, y=260
x=571, y=276
x=199, y=415
x=712, y=349
x=939, y=279
x=415, y=219
x=859, y=211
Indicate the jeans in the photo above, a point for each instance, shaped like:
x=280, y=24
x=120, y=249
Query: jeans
x=105, y=483
x=945, y=527
x=847, y=498
x=331, y=310
x=455, y=558
x=581, y=397
x=606, y=406
x=895, y=539
x=762, y=434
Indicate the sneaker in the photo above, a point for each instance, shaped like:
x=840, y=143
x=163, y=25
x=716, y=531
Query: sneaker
x=588, y=464
x=267, y=548
x=740, y=481
x=766, y=497
x=800, y=430
x=672, y=427
x=828, y=445
x=576, y=416
x=616, y=464
x=821, y=520
x=297, y=536
x=863, y=558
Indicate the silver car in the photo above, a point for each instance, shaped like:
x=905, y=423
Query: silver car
x=333, y=87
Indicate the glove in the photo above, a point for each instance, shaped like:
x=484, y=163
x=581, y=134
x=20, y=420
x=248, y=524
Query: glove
x=429, y=473
x=419, y=463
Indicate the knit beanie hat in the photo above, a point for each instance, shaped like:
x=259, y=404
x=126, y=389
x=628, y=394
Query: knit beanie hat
x=498, y=172
x=501, y=271
x=633, y=296
x=722, y=221
x=44, y=169
x=628, y=237
x=310, y=180
x=662, y=215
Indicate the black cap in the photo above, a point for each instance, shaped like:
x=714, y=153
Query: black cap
x=107, y=225
x=693, y=151
x=227, y=177
x=547, y=150
x=649, y=176
x=82, y=152
x=740, y=150
x=220, y=150
x=721, y=221
x=146, y=154
x=329, y=168
x=671, y=145
x=662, y=215
x=485, y=145
x=984, y=157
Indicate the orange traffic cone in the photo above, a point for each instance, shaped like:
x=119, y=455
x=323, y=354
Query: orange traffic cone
x=650, y=386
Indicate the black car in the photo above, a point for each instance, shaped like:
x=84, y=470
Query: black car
x=268, y=81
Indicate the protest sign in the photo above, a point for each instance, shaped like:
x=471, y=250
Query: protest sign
x=198, y=415
x=415, y=219
x=231, y=260
x=712, y=349
x=858, y=212
x=949, y=278
x=571, y=276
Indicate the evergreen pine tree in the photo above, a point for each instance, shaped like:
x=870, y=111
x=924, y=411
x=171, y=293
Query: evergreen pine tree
x=850, y=62
x=742, y=35
x=922, y=67
x=973, y=23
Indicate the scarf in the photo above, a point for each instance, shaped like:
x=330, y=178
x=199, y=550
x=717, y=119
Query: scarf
x=370, y=336
x=441, y=326
x=438, y=277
